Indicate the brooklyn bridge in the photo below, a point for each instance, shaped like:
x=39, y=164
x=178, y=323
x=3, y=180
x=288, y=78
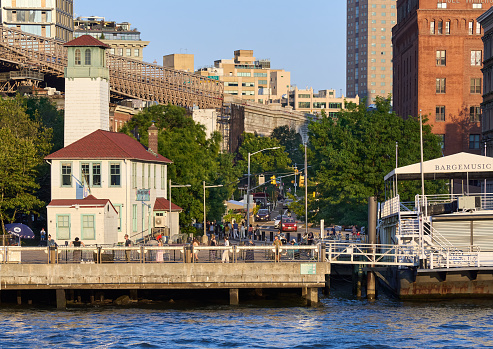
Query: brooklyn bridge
x=29, y=59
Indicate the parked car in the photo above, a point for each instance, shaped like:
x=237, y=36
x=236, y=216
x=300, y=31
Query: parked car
x=289, y=224
x=262, y=215
x=277, y=220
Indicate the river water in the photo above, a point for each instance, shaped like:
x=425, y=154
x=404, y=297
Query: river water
x=338, y=322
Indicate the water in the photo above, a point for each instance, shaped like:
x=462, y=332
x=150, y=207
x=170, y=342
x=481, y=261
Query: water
x=339, y=322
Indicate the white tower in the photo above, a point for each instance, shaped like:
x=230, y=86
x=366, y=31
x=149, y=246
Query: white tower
x=87, y=89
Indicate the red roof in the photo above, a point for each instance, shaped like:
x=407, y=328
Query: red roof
x=86, y=40
x=107, y=145
x=161, y=204
x=89, y=201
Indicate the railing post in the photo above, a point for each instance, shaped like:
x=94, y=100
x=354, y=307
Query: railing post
x=98, y=255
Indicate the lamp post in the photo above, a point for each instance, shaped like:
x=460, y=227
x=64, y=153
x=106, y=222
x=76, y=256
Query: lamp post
x=204, y=237
x=169, y=199
x=248, y=187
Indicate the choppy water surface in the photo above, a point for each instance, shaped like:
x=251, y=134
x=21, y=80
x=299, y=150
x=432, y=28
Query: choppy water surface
x=336, y=323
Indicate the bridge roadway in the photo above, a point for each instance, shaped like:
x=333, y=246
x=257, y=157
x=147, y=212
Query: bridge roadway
x=129, y=78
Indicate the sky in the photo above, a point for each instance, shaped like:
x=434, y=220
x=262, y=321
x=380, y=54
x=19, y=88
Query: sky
x=304, y=37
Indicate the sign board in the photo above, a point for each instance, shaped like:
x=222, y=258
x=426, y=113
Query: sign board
x=143, y=194
x=308, y=268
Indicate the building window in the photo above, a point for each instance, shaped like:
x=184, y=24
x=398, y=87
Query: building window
x=143, y=176
x=474, y=141
x=471, y=26
x=134, y=218
x=115, y=180
x=119, y=52
x=84, y=174
x=88, y=231
x=77, y=57
x=432, y=28
x=128, y=52
x=303, y=104
x=63, y=227
x=440, y=85
x=112, y=51
x=259, y=75
x=441, y=5
x=243, y=74
x=163, y=179
x=66, y=174
x=440, y=113
x=134, y=175
x=475, y=85
x=478, y=28
x=248, y=84
x=87, y=57
x=440, y=57
x=447, y=28
x=155, y=177
x=476, y=57
x=475, y=113
x=319, y=105
x=303, y=95
x=335, y=105
x=149, y=176
x=136, y=52
x=262, y=82
x=440, y=27
x=118, y=208
x=477, y=5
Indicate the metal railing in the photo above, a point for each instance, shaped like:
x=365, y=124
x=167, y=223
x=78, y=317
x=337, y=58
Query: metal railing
x=159, y=254
x=375, y=254
x=469, y=256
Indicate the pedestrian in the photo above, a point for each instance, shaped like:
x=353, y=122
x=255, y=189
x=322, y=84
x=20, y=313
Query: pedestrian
x=160, y=253
x=309, y=239
x=226, y=230
x=77, y=253
x=225, y=257
x=277, y=246
x=235, y=230
x=50, y=242
x=333, y=232
x=212, y=226
x=257, y=233
x=128, y=243
x=242, y=231
x=42, y=233
x=353, y=231
x=250, y=231
x=212, y=253
x=195, y=252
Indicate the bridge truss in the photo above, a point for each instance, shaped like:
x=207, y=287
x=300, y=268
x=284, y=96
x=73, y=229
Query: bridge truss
x=129, y=78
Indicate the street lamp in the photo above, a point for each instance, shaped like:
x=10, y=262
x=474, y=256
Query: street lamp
x=204, y=238
x=248, y=187
x=169, y=213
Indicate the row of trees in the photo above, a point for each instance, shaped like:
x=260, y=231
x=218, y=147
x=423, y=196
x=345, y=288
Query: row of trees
x=348, y=155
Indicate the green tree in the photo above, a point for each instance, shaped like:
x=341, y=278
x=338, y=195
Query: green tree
x=351, y=153
x=291, y=141
x=195, y=159
x=24, y=144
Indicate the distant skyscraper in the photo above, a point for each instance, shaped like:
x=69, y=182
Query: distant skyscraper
x=369, y=48
x=49, y=18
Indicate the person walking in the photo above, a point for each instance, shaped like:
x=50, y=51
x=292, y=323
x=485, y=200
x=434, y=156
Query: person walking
x=225, y=257
x=235, y=230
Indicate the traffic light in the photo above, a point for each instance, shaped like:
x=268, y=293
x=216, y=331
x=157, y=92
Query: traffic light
x=302, y=181
x=273, y=180
x=296, y=172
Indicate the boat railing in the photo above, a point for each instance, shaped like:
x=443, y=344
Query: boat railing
x=467, y=256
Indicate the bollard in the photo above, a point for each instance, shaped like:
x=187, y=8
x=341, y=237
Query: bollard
x=53, y=254
x=187, y=253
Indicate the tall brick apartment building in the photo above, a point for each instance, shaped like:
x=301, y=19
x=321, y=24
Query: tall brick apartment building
x=438, y=55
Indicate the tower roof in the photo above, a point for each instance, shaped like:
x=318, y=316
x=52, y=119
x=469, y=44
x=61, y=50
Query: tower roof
x=86, y=40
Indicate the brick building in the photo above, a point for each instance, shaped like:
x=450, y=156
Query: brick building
x=438, y=55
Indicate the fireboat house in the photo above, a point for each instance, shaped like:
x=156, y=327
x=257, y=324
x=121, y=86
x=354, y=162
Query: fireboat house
x=450, y=230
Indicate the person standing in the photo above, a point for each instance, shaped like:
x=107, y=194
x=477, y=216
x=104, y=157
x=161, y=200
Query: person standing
x=195, y=252
x=242, y=231
x=128, y=243
x=212, y=253
x=277, y=245
x=250, y=232
x=43, y=234
x=77, y=253
x=309, y=239
x=225, y=257
x=257, y=233
x=160, y=253
x=235, y=230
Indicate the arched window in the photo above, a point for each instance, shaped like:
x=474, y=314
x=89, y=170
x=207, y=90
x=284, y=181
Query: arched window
x=87, y=57
x=77, y=57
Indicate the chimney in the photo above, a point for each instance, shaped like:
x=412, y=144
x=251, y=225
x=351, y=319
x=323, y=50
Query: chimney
x=152, y=139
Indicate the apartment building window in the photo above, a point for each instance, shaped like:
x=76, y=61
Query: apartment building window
x=115, y=179
x=440, y=56
x=335, y=105
x=319, y=105
x=230, y=84
x=440, y=27
x=77, y=59
x=303, y=104
x=136, y=52
x=96, y=175
x=441, y=5
x=248, y=93
x=440, y=113
x=477, y=5
x=447, y=28
x=260, y=75
x=478, y=28
x=475, y=113
x=432, y=28
x=475, y=85
x=248, y=84
x=84, y=173
x=262, y=82
x=470, y=27
x=66, y=174
x=476, y=57
x=474, y=141
x=440, y=85
x=303, y=95
x=243, y=74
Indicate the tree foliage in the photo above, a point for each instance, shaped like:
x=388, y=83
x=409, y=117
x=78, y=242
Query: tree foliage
x=195, y=159
x=291, y=141
x=351, y=153
x=25, y=142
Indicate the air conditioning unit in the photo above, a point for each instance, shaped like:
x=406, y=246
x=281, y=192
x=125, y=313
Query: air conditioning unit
x=159, y=222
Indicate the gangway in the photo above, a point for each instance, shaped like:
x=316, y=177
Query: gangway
x=129, y=78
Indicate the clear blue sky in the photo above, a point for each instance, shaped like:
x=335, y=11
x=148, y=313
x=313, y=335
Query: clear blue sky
x=307, y=37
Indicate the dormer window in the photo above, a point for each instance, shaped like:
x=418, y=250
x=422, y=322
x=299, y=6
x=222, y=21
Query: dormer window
x=77, y=57
x=87, y=57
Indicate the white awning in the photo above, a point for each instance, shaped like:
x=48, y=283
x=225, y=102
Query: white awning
x=460, y=165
